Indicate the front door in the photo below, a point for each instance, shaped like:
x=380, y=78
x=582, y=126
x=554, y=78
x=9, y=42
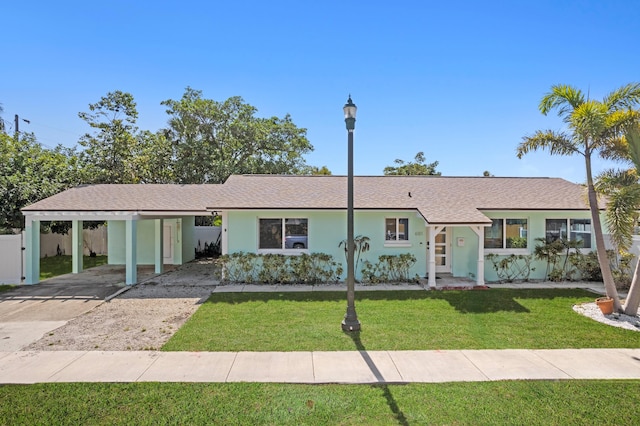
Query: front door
x=443, y=251
x=167, y=248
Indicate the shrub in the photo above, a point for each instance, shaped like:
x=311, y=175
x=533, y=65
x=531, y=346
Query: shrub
x=511, y=267
x=389, y=268
x=250, y=268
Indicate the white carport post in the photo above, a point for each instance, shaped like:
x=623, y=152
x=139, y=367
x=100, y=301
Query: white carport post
x=32, y=246
x=479, y=230
x=131, y=246
x=433, y=231
x=77, y=247
x=159, y=242
x=224, y=241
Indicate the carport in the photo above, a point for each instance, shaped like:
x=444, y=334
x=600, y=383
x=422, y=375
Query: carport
x=29, y=312
x=120, y=204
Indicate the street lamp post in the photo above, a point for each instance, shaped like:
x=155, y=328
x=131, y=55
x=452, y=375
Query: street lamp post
x=350, y=322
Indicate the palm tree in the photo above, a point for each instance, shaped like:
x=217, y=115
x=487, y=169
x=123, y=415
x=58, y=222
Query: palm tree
x=593, y=126
x=623, y=190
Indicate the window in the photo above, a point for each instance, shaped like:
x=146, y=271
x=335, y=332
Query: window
x=578, y=230
x=396, y=229
x=295, y=233
x=506, y=233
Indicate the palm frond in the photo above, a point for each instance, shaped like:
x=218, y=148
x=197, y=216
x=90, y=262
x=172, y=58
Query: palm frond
x=562, y=97
x=621, y=215
x=589, y=120
x=556, y=143
x=610, y=181
x=615, y=149
x=620, y=120
x=633, y=143
x=625, y=97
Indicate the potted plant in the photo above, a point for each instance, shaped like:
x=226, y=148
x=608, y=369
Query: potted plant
x=605, y=304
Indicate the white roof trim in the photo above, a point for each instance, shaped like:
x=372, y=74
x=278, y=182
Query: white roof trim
x=107, y=215
x=80, y=215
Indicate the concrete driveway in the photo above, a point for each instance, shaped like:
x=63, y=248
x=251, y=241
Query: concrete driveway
x=30, y=311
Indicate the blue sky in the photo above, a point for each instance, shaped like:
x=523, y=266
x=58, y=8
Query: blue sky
x=458, y=80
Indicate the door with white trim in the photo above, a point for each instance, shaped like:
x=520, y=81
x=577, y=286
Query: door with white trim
x=442, y=251
x=167, y=244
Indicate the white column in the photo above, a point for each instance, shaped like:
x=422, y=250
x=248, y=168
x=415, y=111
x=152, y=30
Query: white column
x=433, y=231
x=131, y=246
x=32, y=247
x=479, y=230
x=159, y=255
x=77, y=247
x=224, y=241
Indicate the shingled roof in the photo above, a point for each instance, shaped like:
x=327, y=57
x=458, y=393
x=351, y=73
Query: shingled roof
x=131, y=198
x=439, y=199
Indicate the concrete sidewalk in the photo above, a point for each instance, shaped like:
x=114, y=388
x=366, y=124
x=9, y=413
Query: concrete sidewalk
x=364, y=367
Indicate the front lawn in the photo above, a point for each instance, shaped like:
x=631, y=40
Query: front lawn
x=59, y=265
x=397, y=320
x=510, y=402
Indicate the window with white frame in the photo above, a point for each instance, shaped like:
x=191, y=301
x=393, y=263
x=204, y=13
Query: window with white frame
x=569, y=229
x=506, y=234
x=283, y=233
x=396, y=229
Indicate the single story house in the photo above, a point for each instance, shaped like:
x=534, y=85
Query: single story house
x=448, y=223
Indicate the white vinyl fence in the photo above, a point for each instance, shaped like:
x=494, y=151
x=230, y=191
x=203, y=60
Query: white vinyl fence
x=205, y=235
x=11, y=259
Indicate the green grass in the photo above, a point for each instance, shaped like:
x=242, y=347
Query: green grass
x=523, y=402
x=397, y=320
x=59, y=265
x=6, y=287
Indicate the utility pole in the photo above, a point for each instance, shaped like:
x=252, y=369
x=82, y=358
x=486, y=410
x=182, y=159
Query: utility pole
x=17, y=120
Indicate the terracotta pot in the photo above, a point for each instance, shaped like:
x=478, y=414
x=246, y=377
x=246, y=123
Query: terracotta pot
x=605, y=304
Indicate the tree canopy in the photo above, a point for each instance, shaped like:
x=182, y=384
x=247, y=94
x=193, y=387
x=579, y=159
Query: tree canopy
x=418, y=167
x=29, y=172
x=110, y=153
x=212, y=140
x=205, y=142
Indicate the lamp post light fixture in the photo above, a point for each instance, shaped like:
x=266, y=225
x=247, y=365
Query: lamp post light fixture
x=350, y=322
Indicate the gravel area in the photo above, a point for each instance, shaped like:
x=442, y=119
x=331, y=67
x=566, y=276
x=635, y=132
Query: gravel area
x=142, y=318
x=592, y=311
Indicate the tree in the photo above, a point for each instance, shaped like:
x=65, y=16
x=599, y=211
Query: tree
x=314, y=170
x=29, y=173
x=418, y=167
x=213, y=140
x=154, y=161
x=109, y=153
x=623, y=190
x=592, y=127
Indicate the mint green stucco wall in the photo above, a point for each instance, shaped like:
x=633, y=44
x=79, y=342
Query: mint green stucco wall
x=328, y=228
x=183, y=235
x=464, y=258
x=536, y=229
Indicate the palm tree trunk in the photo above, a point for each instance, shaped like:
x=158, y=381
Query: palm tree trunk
x=633, y=298
x=603, y=260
